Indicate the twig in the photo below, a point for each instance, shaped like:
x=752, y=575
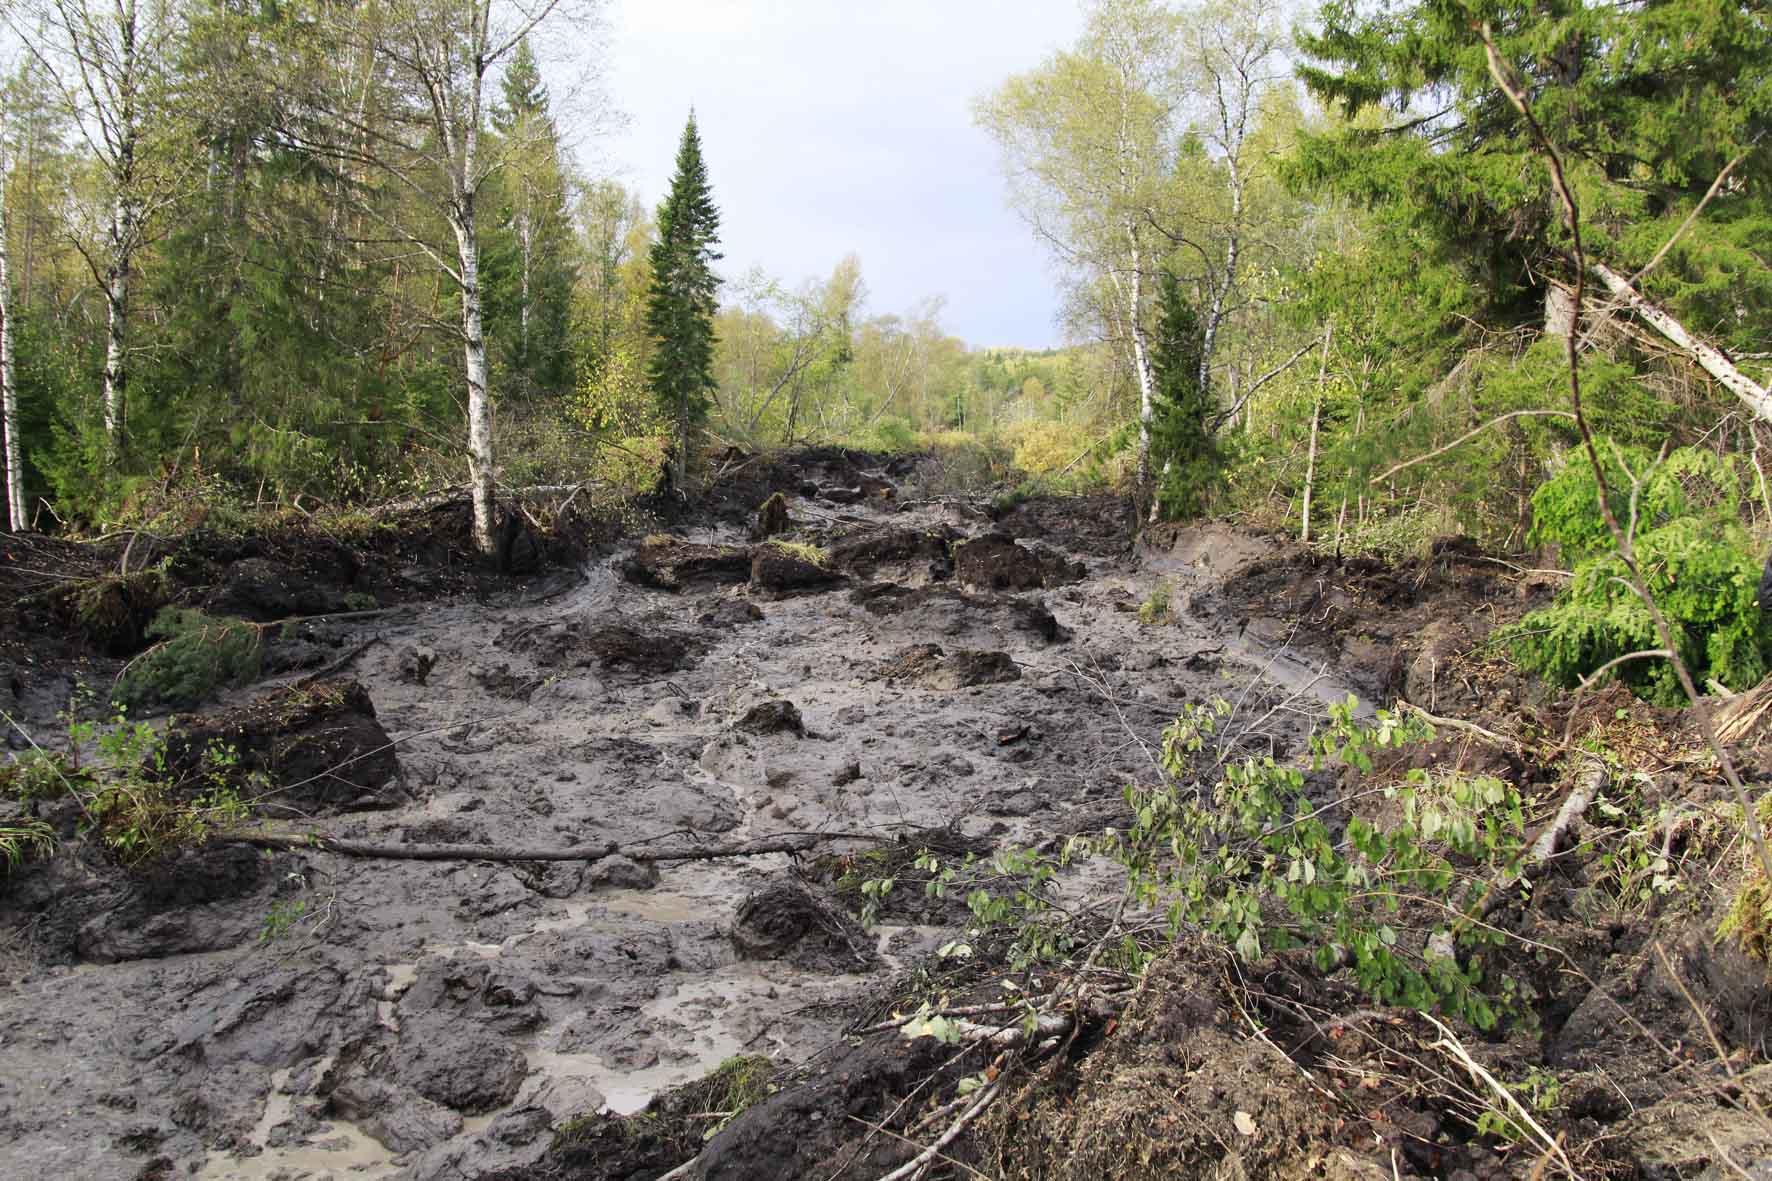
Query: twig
x=1470, y=434
x=1501, y=740
x=1449, y=1042
x=340, y=664
x=915, y=1166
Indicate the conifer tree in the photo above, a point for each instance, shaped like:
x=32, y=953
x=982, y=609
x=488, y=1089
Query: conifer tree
x=1181, y=434
x=680, y=311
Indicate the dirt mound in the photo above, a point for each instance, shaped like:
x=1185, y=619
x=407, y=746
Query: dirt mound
x=783, y=921
x=82, y=908
x=669, y=563
x=772, y=717
x=264, y=589
x=995, y=561
x=577, y=643
x=865, y=553
x=1401, y=629
x=926, y=665
x=779, y=570
x=1101, y=524
x=934, y=603
x=302, y=751
x=772, y=518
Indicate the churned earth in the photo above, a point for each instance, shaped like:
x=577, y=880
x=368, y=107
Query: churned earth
x=248, y=1013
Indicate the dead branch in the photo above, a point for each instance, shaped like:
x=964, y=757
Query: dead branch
x=316, y=842
x=917, y=1164
x=340, y=664
x=1466, y=437
x=1490, y=736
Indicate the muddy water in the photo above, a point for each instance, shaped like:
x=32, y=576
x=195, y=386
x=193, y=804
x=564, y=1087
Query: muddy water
x=424, y=1019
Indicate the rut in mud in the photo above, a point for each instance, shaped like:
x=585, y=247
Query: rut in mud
x=246, y=1014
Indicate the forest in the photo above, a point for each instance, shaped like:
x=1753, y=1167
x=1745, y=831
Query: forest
x=237, y=239
x=491, y=690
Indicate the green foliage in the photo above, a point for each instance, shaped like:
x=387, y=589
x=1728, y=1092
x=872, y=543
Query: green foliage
x=1749, y=918
x=1155, y=608
x=1256, y=861
x=117, y=773
x=1183, y=448
x=680, y=310
x=805, y=551
x=1262, y=865
x=1694, y=555
x=23, y=839
x=197, y=654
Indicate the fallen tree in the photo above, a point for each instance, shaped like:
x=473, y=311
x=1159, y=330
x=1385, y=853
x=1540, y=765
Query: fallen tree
x=315, y=842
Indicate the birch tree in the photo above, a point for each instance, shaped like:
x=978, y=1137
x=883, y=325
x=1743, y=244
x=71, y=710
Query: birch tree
x=9, y=420
x=106, y=62
x=433, y=65
x=1086, y=141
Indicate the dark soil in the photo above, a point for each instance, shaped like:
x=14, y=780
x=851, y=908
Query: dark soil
x=225, y=1013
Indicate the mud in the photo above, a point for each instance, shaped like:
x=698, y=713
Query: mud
x=950, y=681
x=304, y=1014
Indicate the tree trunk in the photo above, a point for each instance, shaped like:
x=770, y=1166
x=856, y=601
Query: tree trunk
x=1133, y=294
x=525, y=241
x=1310, y=468
x=480, y=478
x=116, y=325
x=15, y=471
x=1754, y=396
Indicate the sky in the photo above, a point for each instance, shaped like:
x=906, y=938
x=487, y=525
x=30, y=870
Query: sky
x=831, y=126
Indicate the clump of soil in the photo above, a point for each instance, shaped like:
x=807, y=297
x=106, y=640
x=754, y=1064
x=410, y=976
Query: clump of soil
x=671, y=1129
x=782, y=571
x=995, y=561
x=112, y=613
x=772, y=717
x=577, y=643
x=669, y=563
x=865, y=553
x=933, y=603
x=783, y=921
x=772, y=518
x=1100, y=524
x=928, y=666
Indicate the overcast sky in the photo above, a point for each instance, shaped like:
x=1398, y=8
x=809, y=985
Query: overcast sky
x=831, y=126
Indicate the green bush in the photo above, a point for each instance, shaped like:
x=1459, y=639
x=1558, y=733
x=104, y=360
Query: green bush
x=198, y=654
x=1693, y=553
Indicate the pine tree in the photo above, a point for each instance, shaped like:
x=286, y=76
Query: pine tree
x=680, y=311
x=1181, y=433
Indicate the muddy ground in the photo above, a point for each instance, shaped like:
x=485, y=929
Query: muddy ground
x=940, y=673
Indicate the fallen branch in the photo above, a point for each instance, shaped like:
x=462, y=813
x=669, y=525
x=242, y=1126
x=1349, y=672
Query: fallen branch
x=321, y=843
x=1467, y=436
x=917, y=1164
x=340, y=664
x=1707, y=357
x=1434, y=720
x=1448, y=1041
x=1588, y=783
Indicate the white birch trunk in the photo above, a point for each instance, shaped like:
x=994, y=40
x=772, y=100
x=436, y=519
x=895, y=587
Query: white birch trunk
x=480, y=475
x=117, y=323
x=15, y=471
x=1709, y=358
x=525, y=240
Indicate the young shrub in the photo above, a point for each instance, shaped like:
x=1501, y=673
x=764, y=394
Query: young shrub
x=1695, y=556
x=198, y=654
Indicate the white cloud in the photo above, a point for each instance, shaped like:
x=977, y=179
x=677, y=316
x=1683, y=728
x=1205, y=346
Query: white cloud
x=832, y=127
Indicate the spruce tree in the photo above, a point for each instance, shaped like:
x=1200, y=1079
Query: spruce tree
x=680, y=310
x=1182, y=446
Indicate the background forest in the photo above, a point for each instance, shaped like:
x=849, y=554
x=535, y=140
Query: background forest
x=320, y=254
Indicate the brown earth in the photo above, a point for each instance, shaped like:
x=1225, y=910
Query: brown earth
x=235, y=1014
